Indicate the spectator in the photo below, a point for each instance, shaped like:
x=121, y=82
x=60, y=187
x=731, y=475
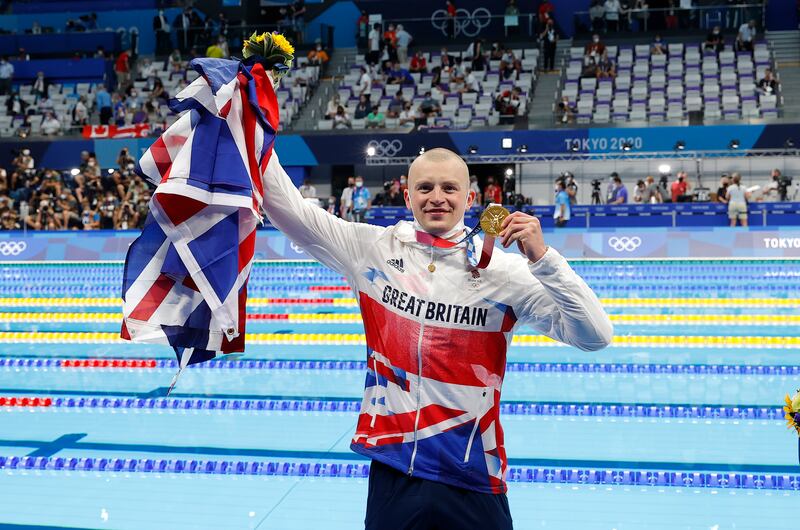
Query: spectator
x=430, y=106
x=476, y=55
x=40, y=86
x=120, y=109
x=341, y=120
x=389, y=52
x=376, y=118
x=364, y=84
x=332, y=206
x=45, y=105
x=147, y=71
x=403, y=40
x=6, y=76
x=641, y=14
x=722, y=191
x=398, y=75
x=390, y=196
x=714, y=40
x=571, y=187
x=175, y=60
x=659, y=46
x=768, y=85
x=362, y=109
x=375, y=40
x=770, y=192
x=102, y=100
x=418, y=64
x=346, y=200
x=159, y=94
x=595, y=49
x=183, y=25
x=737, y=201
x=567, y=110
x=549, y=39
x=50, y=124
x=80, y=113
x=123, y=69
x=746, y=36
x=318, y=56
x=680, y=188
x=508, y=104
x=511, y=18
x=473, y=185
x=396, y=106
x=597, y=14
x=390, y=34
x=590, y=68
x=215, y=51
x=619, y=194
x=161, y=28
x=471, y=83
x=638, y=191
x=407, y=116
x=562, y=209
x=546, y=12
x=510, y=65
x=333, y=107
x=362, y=29
x=492, y=193
x=307, y=190
x=361, y=202
x=651, y=193
x=452, y=13
x=606, y=68
x=612, y=9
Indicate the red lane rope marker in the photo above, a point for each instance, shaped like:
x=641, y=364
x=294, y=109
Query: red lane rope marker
x=301, y=300
x=25, y=402
x=109, y=363
x=334, y=288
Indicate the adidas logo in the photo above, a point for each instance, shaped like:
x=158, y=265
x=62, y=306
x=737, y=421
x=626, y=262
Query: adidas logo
x=396, y=263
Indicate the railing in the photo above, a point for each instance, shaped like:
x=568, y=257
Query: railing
x=672, y=19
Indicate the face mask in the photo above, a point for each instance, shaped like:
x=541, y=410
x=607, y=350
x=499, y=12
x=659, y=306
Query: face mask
x=402, y=181
x=596, y=40
x=359, y=184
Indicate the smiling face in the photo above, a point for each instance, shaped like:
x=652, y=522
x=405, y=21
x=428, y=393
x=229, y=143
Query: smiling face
x=438, y=190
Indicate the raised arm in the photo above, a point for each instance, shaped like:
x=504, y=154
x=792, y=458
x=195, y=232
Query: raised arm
x=333, y=241
x=559, y=304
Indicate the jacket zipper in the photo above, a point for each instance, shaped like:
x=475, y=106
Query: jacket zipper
x=419, y=385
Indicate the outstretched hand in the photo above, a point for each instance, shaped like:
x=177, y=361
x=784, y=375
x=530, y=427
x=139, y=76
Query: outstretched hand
x=526, y=231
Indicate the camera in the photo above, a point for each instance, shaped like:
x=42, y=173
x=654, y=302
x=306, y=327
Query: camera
x=596, y=183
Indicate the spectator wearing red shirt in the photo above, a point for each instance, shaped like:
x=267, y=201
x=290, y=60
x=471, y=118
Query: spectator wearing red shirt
x=390, y=34
x=680, y=187
x=418, y=64
x=492, y=193
x=122, y=68
x=545, y=11
x=595, y=48
x=451, y=19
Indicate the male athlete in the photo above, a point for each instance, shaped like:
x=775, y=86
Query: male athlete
x=437, y=332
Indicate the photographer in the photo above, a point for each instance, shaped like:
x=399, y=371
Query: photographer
x=126, y=216
x=390, y=196
x=45, y=218
x=124, y=158
x=562, y=211
x=106, y=209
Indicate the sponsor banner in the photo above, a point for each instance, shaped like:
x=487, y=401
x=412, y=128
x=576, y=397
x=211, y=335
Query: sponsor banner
x=623, y=243
x=140, y=130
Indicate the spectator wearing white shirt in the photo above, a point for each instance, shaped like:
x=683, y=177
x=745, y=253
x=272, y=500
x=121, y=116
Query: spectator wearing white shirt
x=307, y=190
x=471, y=83
x=364, y=84
x=50, y=124
x=612, y=8
x=341, y=120
x=333, y=106
x=374, y=39
x=746, y=36
x=80, y=114
x=407, y=116
x=404, y=39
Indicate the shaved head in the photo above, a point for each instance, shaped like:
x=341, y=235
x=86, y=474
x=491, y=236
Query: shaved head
x=440, y=155
x=438, y=191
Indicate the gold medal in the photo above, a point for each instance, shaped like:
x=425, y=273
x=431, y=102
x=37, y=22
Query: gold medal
x=492, y=219
x=431, y=267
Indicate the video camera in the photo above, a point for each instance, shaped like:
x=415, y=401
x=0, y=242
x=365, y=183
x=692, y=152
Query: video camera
x=783, y=187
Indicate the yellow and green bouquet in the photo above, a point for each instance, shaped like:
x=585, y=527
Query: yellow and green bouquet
x=272, y=50
x=792, y=410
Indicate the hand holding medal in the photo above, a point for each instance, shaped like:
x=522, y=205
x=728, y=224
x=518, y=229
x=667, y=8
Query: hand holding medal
x=526, y=231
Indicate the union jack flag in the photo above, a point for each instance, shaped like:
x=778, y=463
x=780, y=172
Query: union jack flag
x=185, y=277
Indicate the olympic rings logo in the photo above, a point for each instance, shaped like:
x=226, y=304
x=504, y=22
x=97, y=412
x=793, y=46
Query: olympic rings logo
x=12, y=248
x=387, y=148
x=467, y=24
x=627, y=244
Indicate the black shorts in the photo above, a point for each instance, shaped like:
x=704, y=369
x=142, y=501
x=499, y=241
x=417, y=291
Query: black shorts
x=399, y=502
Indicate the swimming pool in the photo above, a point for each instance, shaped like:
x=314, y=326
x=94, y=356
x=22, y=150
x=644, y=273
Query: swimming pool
x=676, y=425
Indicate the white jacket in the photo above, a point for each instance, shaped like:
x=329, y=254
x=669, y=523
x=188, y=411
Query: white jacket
x=437, y=342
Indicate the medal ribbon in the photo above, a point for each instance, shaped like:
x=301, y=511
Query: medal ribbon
x=486, y=251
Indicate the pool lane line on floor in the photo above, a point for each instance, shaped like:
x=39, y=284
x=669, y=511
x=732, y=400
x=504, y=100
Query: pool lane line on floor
x=355, y=318
x=107, y=400
x=40, y=362
x=516, y=474
x=70, y=301
x=698, y=341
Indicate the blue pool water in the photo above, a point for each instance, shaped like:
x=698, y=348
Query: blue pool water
x=670, y=434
